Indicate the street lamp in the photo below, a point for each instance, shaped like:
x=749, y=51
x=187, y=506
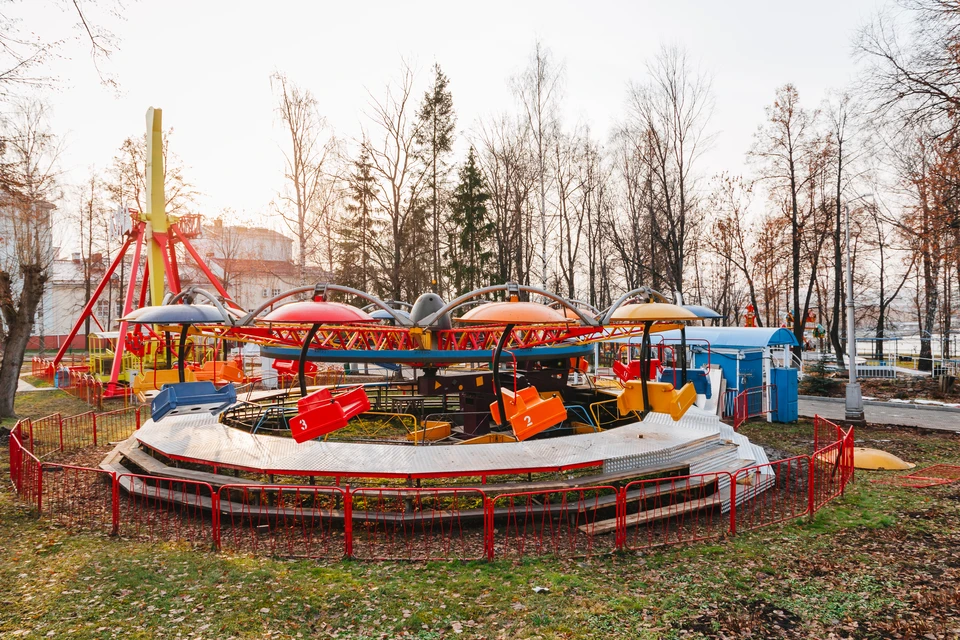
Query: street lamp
x=854, y=398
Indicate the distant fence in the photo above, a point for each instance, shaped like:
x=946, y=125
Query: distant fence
x=72, y=378
x=413, y=523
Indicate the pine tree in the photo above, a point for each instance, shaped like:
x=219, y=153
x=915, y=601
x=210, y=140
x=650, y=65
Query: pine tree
x=435, y=138
x=471, y=257
x=359, y=231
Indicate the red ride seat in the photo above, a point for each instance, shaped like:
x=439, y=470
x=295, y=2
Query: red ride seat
x=528, y=413
x=631, y=370
x=287, y=370
x=321, y=412
x=354, y=402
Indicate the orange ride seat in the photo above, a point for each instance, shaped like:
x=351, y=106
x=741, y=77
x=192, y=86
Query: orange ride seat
x=528, y=413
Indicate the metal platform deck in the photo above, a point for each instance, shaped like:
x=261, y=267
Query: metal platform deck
x=199, y=438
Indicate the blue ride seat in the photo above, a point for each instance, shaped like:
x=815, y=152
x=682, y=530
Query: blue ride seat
x=699, y=377
x=191, y=397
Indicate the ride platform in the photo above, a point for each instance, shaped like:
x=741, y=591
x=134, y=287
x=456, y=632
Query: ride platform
x=201, y=439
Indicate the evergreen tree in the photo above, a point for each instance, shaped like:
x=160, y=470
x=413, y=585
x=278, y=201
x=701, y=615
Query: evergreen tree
x=471, y=257
x=359, y=232
x=435, y=137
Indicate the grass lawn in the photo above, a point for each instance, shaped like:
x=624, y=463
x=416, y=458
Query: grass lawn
x=882, y=562
x=37, y=404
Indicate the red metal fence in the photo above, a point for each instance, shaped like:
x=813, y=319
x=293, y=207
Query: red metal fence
x=285, y=520
x=754, y=402
x=412, y=523
x=565, y=522
x=159, y=509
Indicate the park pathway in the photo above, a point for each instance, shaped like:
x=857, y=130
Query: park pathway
x=894, y=413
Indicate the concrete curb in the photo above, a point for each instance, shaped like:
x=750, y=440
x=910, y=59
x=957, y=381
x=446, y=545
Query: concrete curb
x=887, y=405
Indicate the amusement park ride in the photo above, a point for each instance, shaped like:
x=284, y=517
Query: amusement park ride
x=512, y=376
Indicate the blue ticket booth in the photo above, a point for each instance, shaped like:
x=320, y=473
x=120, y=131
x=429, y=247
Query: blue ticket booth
x=748, y=357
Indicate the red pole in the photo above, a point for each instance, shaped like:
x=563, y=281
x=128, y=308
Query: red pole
x=161, y=241
x=39, y=487
x=174, y=267
x=215, y=508
x=127, y=308
x=621, y=537
x=115, y=497
x=488, y=526
x=175, y=229
x=348, y=522
x=733, y=504
x=142, y=300
x=60, y=425
x=811, y=476
x=94, y=429
x=93, y=299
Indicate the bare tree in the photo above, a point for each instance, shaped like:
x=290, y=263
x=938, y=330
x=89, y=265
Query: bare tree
x=915, y=76
x=401, y=183
x=93, y=224
x=126, y=178
x=509, y=176
x=307, y=198
x=730, y=237
x=31, y=152
x=783, y=147
x=570, y=212
x=540, y=88
x=668, y=117
x=23, y=55
x=633, y=237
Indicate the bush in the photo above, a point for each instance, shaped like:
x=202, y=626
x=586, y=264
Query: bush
x=818, y=381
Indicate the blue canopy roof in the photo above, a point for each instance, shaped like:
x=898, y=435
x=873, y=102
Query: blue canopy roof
x=735, y=337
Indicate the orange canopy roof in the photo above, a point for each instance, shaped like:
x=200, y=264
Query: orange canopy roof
x=514, y=313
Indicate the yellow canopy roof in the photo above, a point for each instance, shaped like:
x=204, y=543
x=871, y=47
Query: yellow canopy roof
x=651, y=311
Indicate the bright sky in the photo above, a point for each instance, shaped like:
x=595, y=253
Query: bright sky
x=207, y=65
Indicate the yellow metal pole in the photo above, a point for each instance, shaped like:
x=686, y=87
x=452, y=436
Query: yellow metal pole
x=156, y=215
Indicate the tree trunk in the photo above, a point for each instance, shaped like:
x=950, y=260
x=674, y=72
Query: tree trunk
x=19, y=318
x=835, y=317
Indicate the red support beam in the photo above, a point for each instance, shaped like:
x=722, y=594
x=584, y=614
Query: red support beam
x=127, y=308
x=203, y=266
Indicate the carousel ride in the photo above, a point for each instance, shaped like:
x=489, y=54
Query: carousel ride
x=497, y=384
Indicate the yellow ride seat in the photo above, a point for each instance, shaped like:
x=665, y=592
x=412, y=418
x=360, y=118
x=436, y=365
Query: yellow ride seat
x=663, y=398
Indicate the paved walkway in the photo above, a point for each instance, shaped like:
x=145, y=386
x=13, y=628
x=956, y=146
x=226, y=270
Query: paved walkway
x=23, y=385
x=927, y=417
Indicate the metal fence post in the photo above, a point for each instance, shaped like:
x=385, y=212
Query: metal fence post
x=115, y=497
x=816, y=432
x=811, y=482
x=138, y=417
x=94, y=429
x=39, y=488
x=733, y=504
x=60, y=425
x=621, y=536
x=488, y=527
x=348, y=522
x=215, y=516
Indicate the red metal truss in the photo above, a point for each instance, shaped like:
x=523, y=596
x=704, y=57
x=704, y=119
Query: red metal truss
x=384, y=338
